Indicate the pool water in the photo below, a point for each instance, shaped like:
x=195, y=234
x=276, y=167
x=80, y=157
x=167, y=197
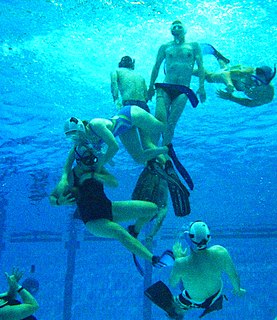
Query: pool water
x=55, y=59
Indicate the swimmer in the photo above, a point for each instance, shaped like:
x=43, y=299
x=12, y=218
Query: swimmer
x=172, y=95
x=200, y=274
x=101, y=134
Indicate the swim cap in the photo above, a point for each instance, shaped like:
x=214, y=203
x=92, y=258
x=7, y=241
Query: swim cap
x=127, y=62
x=73, y=124
x=198, y=235
x=266, y=72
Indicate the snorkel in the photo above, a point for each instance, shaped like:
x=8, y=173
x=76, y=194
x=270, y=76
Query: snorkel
x=85, y=156
x=266, y=72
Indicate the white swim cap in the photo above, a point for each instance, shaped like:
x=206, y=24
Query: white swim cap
x=198, y=235
x=73, y=124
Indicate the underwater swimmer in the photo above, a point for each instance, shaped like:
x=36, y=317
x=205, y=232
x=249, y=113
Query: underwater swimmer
x=100, y=215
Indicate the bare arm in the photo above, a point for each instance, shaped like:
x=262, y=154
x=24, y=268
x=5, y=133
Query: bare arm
x=230, y=269
x=201, y=72
x=115, y=90
x=106, y=178
x=242, y=101
x=58, y=196
x=99, y=126
x=176, y=273
x=17, y=312
x=155, y=71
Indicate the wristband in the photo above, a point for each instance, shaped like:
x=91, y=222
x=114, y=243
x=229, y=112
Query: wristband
x=57, y=202
x=20, y=289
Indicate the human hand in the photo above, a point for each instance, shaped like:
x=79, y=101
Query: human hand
x=118, y=104
x=17, y=273
x=202, y=94
x=13, y=284
x=224, y=94
x=178, y=250
x=150, y=93
x=66, y=199
x=240, y=293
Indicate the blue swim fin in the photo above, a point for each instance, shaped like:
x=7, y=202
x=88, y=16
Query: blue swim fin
x=182, y=170
x=165, y=260
x=209, y=49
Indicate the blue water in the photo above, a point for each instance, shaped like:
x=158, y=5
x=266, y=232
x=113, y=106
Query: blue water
x=56, y=58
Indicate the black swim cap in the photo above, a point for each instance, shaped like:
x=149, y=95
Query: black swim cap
x=127, y=62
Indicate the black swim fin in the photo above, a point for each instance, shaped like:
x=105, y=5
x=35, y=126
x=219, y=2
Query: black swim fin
x=179, y=196
x=150, y=187
x=182, y=170
x=209, y=49
x=162, y=297
x=178, y=192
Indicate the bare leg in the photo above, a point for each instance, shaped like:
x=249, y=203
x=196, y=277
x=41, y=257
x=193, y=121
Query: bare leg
x=109, y=229
x=223, y=76
x=143, y=211
x=133, y=145
x=146, y=121
x=177, y=108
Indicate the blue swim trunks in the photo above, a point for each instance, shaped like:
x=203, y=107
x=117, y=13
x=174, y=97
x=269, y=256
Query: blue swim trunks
x=122, y=122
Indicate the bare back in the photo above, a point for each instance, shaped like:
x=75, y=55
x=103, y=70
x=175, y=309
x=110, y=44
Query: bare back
x=201, y=272
x=179, y=62
x=131, y=85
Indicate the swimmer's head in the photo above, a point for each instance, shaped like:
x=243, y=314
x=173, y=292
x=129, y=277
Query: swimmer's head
x=73, y=126
x=177, y=28
x=127, y=62
x=198, y=235
x=265, y=74
x=85, y=156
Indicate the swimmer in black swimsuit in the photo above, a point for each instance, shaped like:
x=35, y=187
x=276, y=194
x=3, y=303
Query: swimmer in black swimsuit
x=83, y=186
x=171, y=96
x=10, y=307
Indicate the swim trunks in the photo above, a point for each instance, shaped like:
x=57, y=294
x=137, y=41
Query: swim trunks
x=212, y=303
x=142, y=104
x=122, y=122
x=91, y=201
x=175, y=90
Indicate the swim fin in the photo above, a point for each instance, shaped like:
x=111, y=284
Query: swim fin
x=165, y=260
x=181, y=89
x=209, y=49
x=178, y=192
x=151, y=187
x=162, y=297
x=182, y=170
x=179, y=196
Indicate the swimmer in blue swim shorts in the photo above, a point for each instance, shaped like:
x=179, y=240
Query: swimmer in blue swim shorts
x=100, y=134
